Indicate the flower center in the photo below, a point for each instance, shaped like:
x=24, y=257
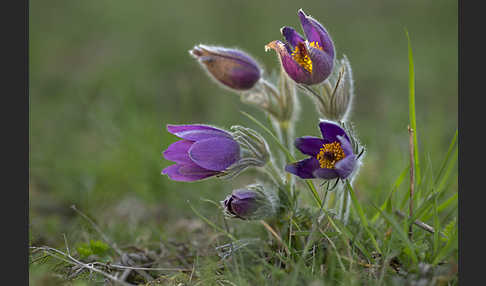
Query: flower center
x=330, y=154
x=301, y=55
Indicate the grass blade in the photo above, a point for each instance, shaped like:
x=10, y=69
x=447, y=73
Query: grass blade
x=411, y=98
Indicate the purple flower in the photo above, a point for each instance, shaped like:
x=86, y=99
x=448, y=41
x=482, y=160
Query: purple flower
x=306, y=61
x=251, y=203
x=233, y=68
x=205, y=151
x=331, y=157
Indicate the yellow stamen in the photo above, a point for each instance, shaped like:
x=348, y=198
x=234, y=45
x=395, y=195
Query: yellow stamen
x=301, y=56
x=315, y=45
x=330, y=154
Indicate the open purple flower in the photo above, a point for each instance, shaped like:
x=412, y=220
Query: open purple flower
x=332, y=155
x=205, y=151
x=233, y=68
x=306, y=61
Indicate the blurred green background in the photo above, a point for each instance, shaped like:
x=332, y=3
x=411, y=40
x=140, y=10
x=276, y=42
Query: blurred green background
x=107, y=76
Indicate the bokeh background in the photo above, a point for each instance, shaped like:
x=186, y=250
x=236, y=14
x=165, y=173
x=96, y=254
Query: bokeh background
x=107, y=76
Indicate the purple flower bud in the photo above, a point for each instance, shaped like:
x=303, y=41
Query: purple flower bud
x=250, y=203
x=233, y=68
x=306, y=61
x=331, y=156
x=204, y=152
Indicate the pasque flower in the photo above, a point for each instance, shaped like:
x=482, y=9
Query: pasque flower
x=230, y=67
x=332, y=155
x=306, y=61
x=251, y=202
x=204, y=151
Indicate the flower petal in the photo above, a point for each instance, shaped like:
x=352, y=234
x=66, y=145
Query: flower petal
x=291, y=67
x=243, y=194
x=178, y=151
x=291, y=36
x=195, y=132
x=345, y=166
x=304, y=168
x=204, y=50
x=217, y=153
x=330, y=130
x=322, y=65
x=187, y=173
x=315, y=32
x=324, y=173
x=346, y=145
x=309, y=145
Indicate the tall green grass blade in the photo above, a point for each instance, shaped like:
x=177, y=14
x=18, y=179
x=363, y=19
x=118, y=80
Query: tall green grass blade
x=436, y=226
x=362, y=216
x=413, y=121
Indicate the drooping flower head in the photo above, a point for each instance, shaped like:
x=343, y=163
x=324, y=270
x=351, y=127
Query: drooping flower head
x=307, y=61
x=205, y=151
x=331, y=156
x=230, y=67
x=251, y=202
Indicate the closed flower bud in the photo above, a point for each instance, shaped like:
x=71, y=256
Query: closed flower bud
x=230, y=67
x=250, y=203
